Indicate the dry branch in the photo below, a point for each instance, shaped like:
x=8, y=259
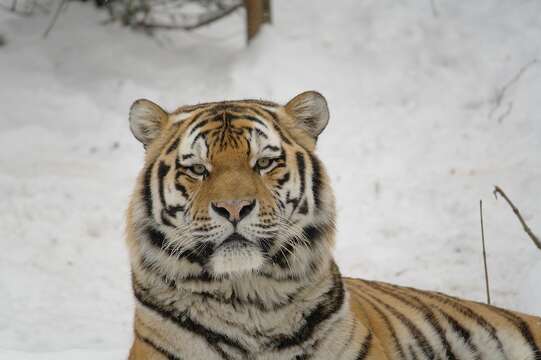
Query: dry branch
x=487, y=284
x=205, y=20
x=55, y=18
x=500, y=94
x=535, y=239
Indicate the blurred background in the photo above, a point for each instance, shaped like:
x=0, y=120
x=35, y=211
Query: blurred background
x=433, y=102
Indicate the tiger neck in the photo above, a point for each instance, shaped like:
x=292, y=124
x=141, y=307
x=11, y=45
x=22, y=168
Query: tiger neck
x=262, y=310
x=257, y=290
x=274, y=307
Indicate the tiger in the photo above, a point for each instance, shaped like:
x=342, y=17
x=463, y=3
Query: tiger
x=230, y=231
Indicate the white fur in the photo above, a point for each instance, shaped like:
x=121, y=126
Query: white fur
x=232, y=259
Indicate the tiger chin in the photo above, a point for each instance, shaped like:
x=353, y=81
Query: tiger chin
x=230, y=231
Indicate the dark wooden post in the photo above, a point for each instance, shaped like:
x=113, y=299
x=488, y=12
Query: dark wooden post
x=258, y=12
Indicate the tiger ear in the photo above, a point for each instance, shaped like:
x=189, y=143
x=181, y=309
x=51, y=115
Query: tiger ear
x=310, y=112
x=147, y=120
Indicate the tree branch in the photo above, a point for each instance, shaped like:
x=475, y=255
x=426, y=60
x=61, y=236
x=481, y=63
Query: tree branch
x=535, y=239
x=206, y=20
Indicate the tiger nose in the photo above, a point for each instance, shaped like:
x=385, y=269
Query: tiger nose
x=233, y=210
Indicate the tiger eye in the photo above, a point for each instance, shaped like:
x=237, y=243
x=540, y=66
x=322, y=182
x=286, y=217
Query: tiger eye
x=199, y=169
x=263, y=163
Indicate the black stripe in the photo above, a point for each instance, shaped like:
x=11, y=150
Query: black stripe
x=266, y=243
x=200, y=254
x=365, y=347
x=249, y=118
x=522, y=327
x=156, y=237
x=173, y=145
x=164, y=216
x=159, y=349
x=462, y=333
x=428, y=314
x=280, y=258
x=183, y=320
x=310, y=232
x=272, y=148
x=302, y=174
x=331, y=302
x=303, y=209
x=416, y=333
x=281, y=181
x=260, y=133
x=182, y=189
x=197, y=117
x=275, y=123
x=464, y=311
x=147, y=189
x=316, y=181
x=394, y=336
x=412, y=353
x=163, y=170
x=200, y=125
x=174, y=209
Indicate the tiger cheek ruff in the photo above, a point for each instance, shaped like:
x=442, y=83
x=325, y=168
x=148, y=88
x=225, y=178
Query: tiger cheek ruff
x=230, y=230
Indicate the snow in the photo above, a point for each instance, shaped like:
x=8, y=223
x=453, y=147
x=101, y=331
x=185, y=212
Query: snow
x=419, y=133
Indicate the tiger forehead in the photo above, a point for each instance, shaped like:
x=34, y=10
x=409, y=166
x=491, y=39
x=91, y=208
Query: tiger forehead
x=228, y=126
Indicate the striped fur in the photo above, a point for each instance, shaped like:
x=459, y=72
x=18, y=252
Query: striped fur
x=266, y=286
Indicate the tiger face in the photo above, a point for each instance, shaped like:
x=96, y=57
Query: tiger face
x=234, y=187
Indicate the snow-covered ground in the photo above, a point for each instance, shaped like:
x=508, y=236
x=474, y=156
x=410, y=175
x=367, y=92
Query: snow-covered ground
x=429, y=108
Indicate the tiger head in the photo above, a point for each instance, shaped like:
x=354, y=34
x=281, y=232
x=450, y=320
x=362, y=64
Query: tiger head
x=233, y=187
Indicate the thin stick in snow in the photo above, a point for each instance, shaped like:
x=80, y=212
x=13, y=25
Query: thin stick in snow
x=535, y=239
x=501, y=92
x=506, y=113
x=55, y=17
x=487, y=284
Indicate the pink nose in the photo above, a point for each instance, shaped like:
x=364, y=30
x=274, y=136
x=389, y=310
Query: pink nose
x=233, y=210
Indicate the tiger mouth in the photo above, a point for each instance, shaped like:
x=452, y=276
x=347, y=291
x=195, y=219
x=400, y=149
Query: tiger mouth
x=236, y=254
x=235, y=240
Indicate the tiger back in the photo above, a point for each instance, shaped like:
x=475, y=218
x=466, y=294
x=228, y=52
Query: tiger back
x=230, y=232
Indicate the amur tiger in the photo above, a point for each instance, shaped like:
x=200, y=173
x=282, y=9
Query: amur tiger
x=230, y=232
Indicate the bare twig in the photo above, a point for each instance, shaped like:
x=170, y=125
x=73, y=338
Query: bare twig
x=506, y=113
x=535, y=239
x=55, y=17
x=14, y=5
x=500, y=95
x=487, y=284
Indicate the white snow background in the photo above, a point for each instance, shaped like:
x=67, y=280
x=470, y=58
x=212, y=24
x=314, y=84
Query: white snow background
x=429, y=109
